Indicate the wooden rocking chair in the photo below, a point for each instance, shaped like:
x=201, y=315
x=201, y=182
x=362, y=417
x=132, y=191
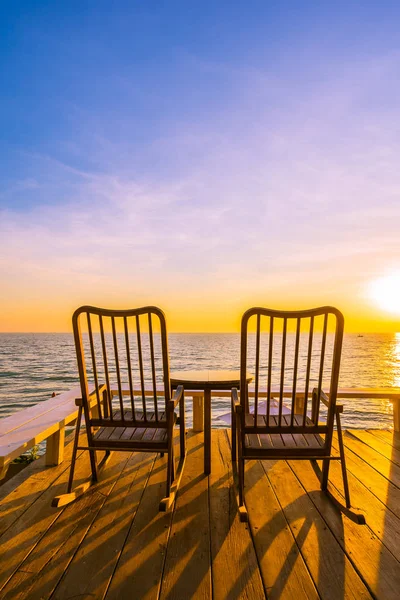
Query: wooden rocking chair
x=290, y=426
x=118, y=359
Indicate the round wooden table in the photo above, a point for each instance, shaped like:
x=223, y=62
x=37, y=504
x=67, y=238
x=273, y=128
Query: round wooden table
x=207, y=381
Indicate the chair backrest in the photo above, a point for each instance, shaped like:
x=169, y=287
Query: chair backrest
x=124, y=353
x=290, y=354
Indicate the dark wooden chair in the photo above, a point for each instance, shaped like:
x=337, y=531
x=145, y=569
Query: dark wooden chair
x=295, y=362
x=123, y=356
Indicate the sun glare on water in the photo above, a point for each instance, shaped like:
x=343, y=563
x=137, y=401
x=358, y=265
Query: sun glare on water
x=385, y=292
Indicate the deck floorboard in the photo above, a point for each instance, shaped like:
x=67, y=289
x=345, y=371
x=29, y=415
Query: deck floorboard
x=114, y=543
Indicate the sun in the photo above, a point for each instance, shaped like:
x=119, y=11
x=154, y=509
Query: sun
x=385, y=292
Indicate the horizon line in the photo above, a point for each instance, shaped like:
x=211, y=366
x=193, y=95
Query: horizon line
x=192, y=332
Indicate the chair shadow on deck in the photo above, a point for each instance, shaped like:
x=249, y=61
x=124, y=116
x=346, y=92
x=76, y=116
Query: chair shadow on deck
x=113, y=540
x=290, y=535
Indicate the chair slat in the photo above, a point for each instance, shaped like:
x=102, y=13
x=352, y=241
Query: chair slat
x=257, y=374
x=129, y=363
x=114, y=333
x=309, y=355
x=153, y=366
x=282, y=369
x=105, y=362
x=296, y=362
x=94, y=366
x=321, y=370
x=270, y=349
x=139, y=345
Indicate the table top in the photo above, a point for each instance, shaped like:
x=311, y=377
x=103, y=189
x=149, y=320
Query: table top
x=211, y=379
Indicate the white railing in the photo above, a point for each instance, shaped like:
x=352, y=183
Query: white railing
x=391, y=394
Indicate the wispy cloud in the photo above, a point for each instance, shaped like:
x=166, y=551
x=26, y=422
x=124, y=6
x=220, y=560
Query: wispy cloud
x=244, y=203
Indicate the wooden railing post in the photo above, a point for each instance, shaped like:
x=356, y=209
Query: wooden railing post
x=396, y=414
x=198, y=411
x=298, y=405
x=55, y=447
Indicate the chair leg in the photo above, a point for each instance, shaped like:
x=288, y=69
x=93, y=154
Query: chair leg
x=172, y=465
x=74, y=450
x=182, y=426
x=241, y=482
x=172, y=487
x=169, y=472
x=343, y=461
x=93, y=465
x=173, y=479
x=242, y=507
x=238, y=467
x=70, y=496
x=325, y=473
x=233, y=435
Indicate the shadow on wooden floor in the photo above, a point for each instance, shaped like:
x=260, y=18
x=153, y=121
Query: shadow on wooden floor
x=114, y=543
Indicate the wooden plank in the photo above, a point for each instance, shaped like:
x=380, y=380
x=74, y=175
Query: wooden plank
x=390, y=437
x=376, y=483
x=140, y=566
x=231, y=542
x=283, y=570
x=93, y=541
x=187, y=572
x=91, y=569
x=372, y=560
x=333, y=574
x=37, y=411
x=19, y=493
x=40, y=572
x=383, y=522
x=380, y=463
x=19, y=540
x=377, y=444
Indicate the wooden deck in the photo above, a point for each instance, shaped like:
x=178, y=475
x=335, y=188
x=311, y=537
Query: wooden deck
x=114, y=543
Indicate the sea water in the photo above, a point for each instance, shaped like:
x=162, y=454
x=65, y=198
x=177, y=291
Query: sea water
x=34, y=365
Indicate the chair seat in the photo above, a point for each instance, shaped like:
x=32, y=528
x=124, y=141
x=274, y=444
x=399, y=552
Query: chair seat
x=284, y=441
x=141, y=432
x=144, y=435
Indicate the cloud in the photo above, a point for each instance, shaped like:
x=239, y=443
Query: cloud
x=255, y=198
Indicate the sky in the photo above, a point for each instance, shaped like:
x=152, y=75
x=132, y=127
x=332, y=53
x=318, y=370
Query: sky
x=204, y=157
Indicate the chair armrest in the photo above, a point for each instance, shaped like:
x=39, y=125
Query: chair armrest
x=176, y=397
x=92, y=395
x=325, y=400
x=236, y=406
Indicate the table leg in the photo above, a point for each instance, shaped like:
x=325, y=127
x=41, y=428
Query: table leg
x=198, y=411
x=207, y=432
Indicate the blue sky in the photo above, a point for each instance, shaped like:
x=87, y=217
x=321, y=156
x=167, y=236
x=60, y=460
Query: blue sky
x=204, y=156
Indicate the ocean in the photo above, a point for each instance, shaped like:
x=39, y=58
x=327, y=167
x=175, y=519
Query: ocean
x=33, y=366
